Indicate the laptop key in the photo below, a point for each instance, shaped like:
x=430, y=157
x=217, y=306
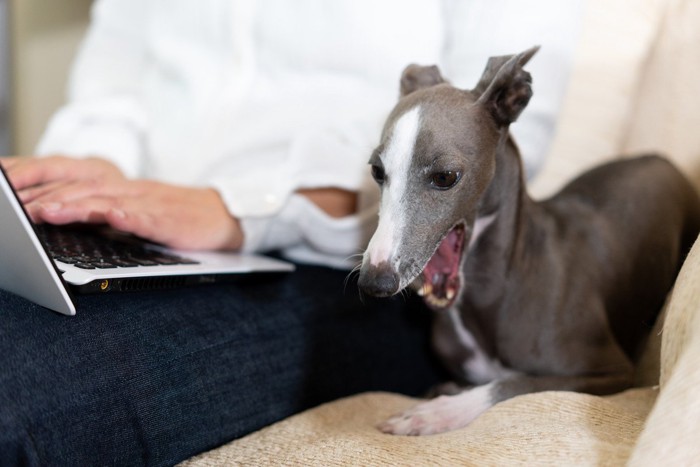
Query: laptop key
x=66, y=259
x=87, y=250
x=122, y=263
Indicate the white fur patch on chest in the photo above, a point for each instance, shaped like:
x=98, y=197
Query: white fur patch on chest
x=396, y=159
x=479, y=368
x=480, y=225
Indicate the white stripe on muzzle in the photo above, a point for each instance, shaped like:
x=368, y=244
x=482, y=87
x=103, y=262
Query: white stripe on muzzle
x=392, y=211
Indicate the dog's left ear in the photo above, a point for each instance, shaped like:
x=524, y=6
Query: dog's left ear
x=416, y=77
x=505, y=88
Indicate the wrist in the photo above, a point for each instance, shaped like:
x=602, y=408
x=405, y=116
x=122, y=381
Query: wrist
x=335, y=202
x=234, y=239
x=229, y=226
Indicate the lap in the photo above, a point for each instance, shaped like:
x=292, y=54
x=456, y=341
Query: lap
x=155, y=377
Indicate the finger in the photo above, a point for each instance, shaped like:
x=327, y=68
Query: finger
x=133, y=219
x=40, y=192
x=68, y=191
x=127, y=215
x=8, y=162
x=177, y=222
x=154, y=221
x=32, y=171
x=87, y=210
x=32, y=211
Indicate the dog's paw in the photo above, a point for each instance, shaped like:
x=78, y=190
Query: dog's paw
x=439, y=415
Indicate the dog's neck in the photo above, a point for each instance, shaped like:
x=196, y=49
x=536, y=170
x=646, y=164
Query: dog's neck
x=512, y=209
x=505, y=207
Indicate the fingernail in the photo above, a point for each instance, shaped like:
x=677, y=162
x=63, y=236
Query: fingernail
x=119, y=213
x=50, y=206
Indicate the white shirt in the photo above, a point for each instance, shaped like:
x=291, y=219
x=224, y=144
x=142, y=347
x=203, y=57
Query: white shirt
x=260, y=98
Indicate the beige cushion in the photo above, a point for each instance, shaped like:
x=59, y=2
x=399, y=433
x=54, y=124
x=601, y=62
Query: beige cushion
x=615, y=42
x=666, y=114
x=671, y=435
x=634, y=88
x=556, y=428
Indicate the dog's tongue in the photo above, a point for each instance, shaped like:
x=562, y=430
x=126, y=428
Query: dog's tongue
x=441, y=274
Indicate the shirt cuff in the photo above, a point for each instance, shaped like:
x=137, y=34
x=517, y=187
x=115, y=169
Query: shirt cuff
x=304, y=233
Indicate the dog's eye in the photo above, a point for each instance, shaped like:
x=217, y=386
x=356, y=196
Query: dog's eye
x=445, y=180
x=378, y=174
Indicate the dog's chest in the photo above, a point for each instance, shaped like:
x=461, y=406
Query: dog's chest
x=460, y=349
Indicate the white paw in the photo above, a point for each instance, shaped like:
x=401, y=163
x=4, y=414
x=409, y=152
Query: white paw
x=444, y=413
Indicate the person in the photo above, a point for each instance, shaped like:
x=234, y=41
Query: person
x=237, y=125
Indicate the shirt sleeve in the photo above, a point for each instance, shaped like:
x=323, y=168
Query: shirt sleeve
x=303, y=232
x=104, y=116
x=274, y=217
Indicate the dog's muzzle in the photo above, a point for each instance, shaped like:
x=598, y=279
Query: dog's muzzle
x=380, y=280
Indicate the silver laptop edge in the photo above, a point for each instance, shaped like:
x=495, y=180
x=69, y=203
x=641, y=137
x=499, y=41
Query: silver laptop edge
x=27, y=270
x=25, y=266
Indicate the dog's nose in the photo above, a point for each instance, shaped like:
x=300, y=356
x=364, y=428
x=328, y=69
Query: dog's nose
x=380, y=281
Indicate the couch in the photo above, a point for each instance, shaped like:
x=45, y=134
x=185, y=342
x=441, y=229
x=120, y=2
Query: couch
x=634, y=88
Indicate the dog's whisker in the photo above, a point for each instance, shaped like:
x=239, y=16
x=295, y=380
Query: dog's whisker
x=362, y=297
x=355, y=271
x=354, y=256
x=405, y=294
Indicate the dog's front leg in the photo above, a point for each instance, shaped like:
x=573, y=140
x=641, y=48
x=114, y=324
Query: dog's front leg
x=446, y=413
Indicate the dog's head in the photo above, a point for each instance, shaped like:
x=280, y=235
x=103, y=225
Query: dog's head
x=436, y=158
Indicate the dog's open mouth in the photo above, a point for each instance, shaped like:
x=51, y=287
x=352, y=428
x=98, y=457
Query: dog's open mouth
x=441, y=279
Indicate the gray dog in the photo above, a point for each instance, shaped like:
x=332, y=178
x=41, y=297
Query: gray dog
x=528, y=296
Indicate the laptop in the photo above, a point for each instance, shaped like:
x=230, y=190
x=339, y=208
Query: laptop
x=49, y=264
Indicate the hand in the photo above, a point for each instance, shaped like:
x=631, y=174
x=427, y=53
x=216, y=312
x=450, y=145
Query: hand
x=34, y=177
x=179, y=217
x=62, y=190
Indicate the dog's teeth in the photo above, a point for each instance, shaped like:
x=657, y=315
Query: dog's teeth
x=437, y=302
x=421, y=291
x=427, y=289
x=450, y=294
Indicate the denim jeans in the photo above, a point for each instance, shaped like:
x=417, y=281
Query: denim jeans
x=152, y=378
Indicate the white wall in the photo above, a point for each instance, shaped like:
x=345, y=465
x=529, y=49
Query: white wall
x=44, y=35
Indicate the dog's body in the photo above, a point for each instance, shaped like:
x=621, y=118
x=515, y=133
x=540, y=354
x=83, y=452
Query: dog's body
x=529, y=296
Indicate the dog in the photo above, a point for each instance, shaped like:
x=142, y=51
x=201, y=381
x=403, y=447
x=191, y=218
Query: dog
x=527, y=296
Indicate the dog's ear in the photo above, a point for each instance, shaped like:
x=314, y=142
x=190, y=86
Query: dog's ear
x=505, y=88
x=416, y=77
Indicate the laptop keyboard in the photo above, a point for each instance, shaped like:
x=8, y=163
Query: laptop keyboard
x=91, y=249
